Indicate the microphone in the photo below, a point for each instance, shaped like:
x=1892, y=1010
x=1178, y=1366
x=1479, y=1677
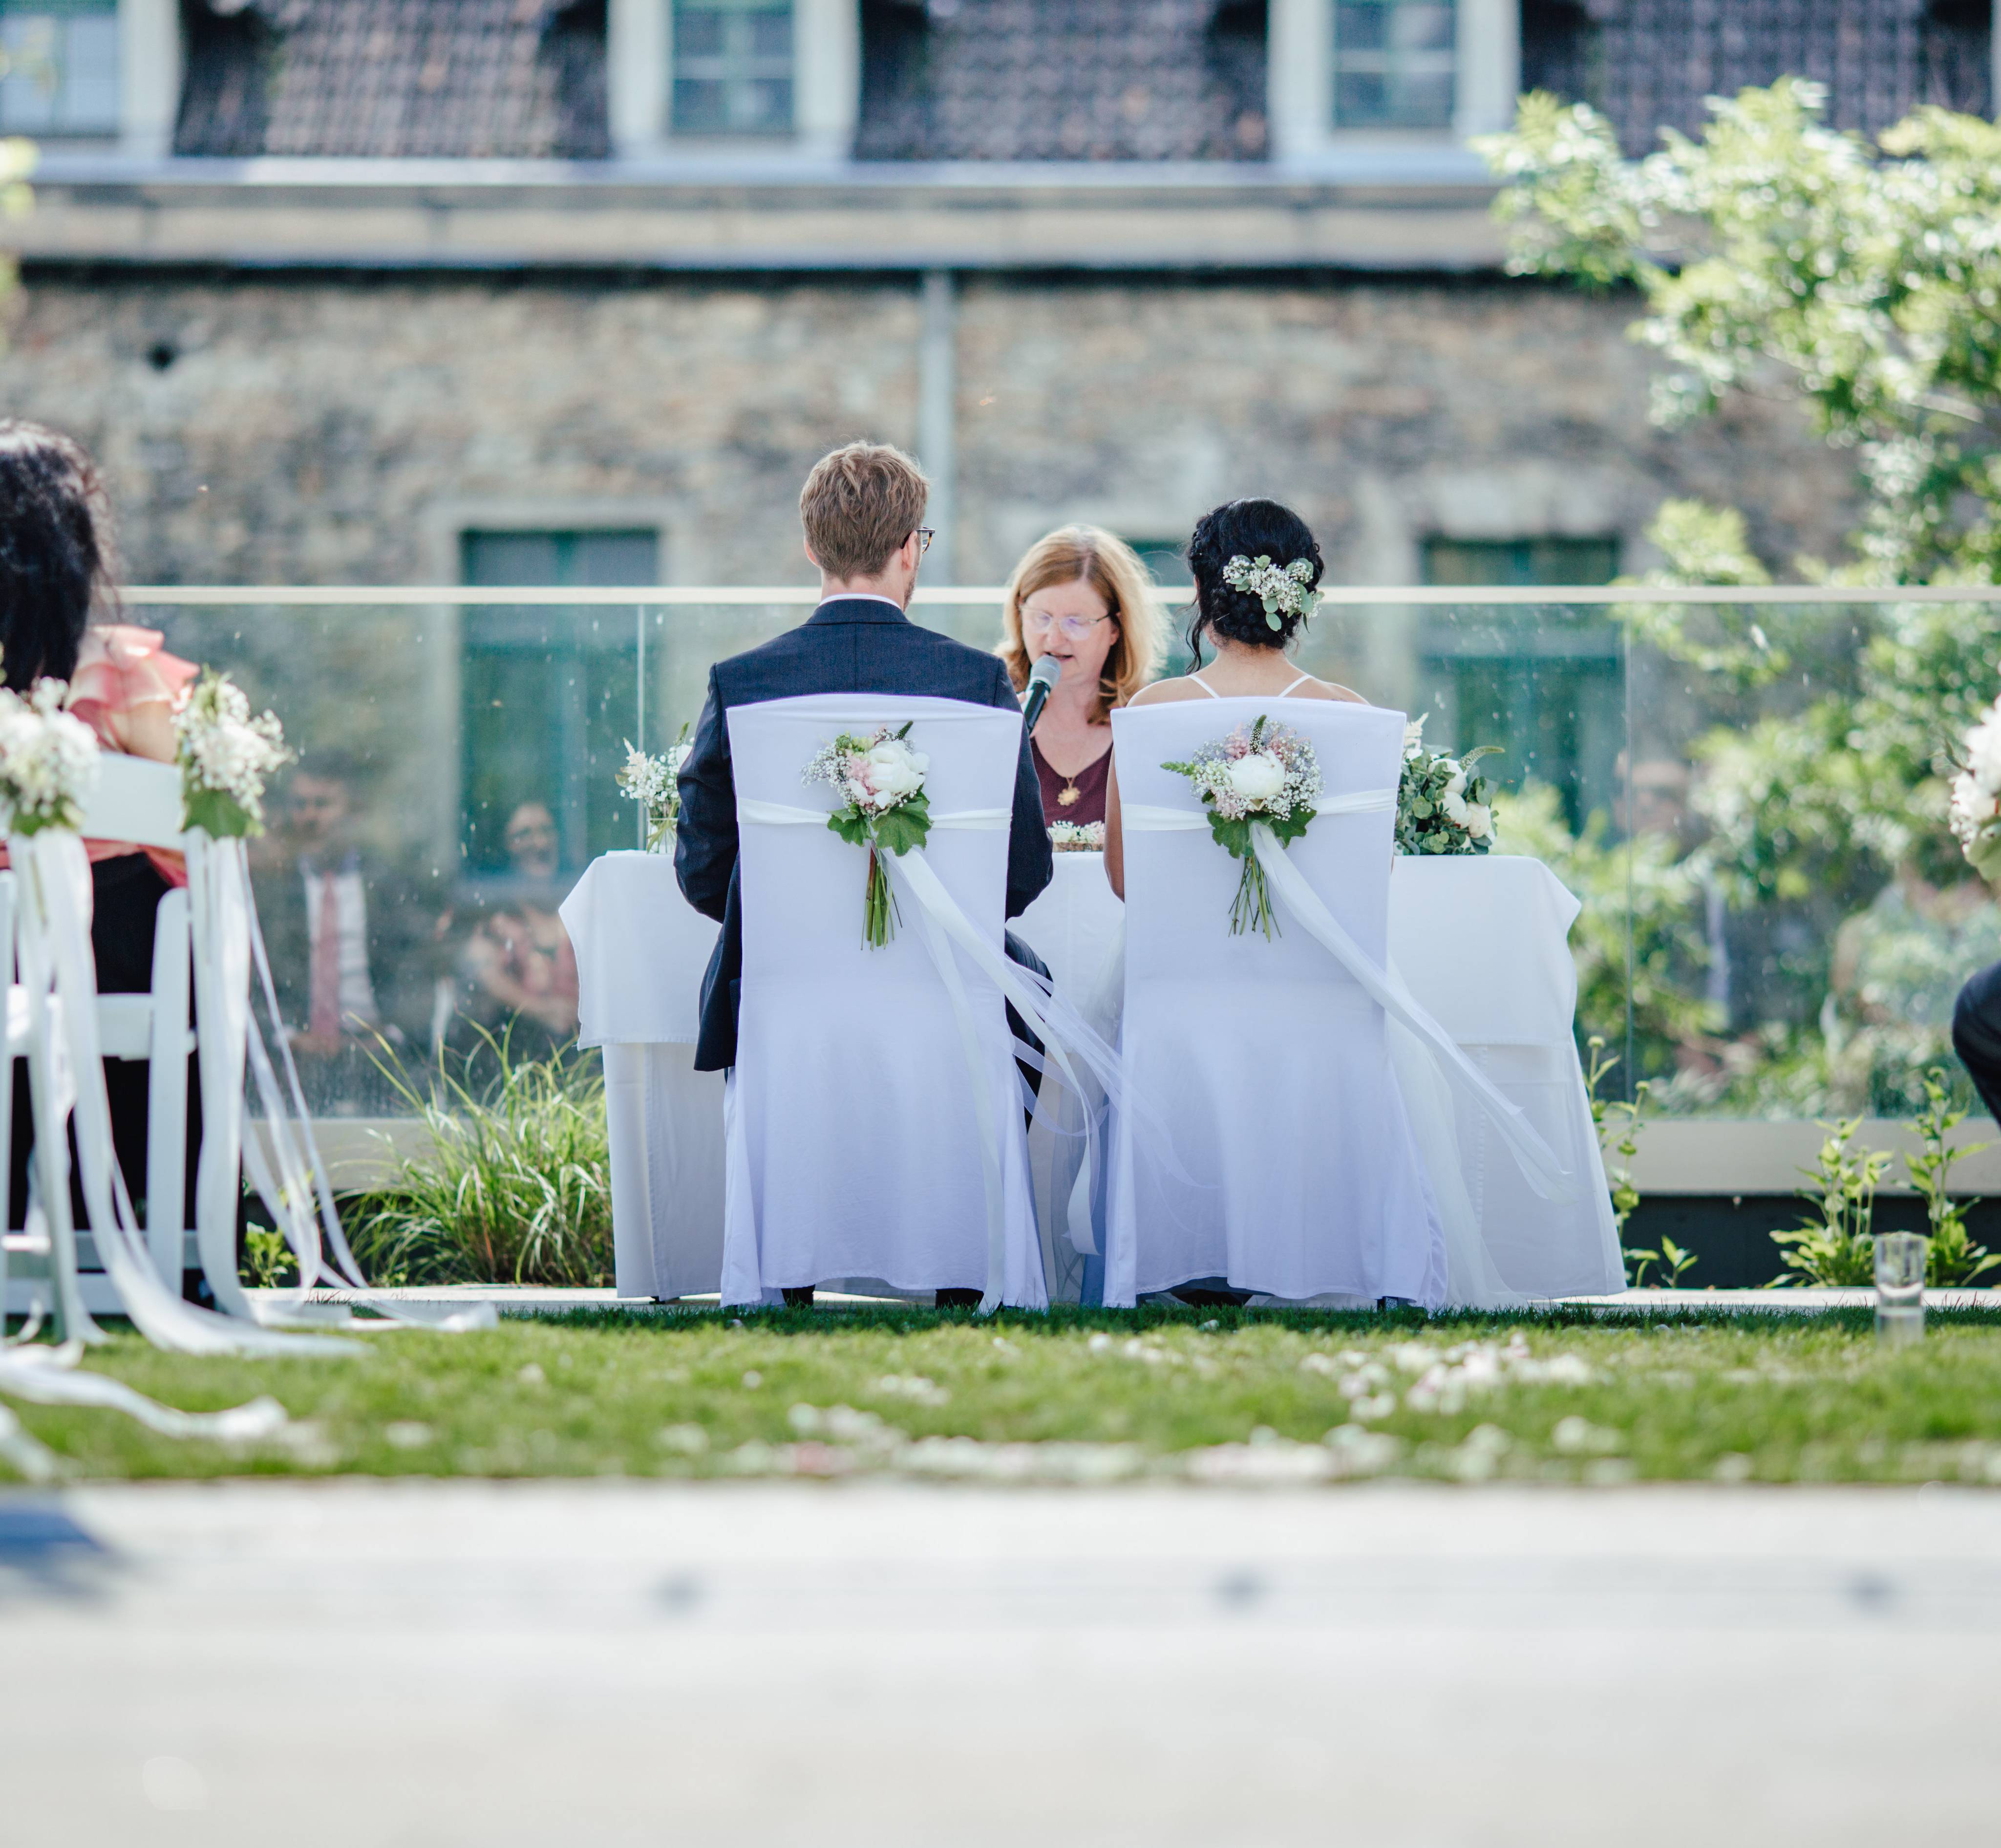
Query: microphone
x=1042, y=677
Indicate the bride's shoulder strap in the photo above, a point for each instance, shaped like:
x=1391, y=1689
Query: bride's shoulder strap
x=1212, y=692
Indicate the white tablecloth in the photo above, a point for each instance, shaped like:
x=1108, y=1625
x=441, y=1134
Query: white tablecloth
x=1482, y=941
x=641, y=949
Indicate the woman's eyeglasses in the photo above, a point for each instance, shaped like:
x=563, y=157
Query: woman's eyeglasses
x=1076, y=627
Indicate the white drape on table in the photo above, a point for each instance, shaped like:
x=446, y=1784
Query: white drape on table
x=1269, y=1058
x=860, y=1141
x=640, y=952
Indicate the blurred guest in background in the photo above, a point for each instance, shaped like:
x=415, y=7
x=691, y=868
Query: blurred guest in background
x=1079, y=594
x=350, y=940
x=517, y=961
x=55, y=565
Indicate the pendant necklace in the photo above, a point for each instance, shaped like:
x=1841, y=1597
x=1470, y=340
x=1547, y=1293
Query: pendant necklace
x=1069, y=792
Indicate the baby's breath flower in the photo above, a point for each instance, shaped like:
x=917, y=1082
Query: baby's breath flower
x=225, y=755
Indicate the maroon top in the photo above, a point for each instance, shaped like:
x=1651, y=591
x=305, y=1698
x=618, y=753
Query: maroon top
x=1088, y=804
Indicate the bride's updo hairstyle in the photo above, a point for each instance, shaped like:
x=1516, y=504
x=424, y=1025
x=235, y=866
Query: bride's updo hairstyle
x=1246, y=529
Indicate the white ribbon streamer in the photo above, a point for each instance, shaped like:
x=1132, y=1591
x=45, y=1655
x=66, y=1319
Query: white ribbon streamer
x=55, y=953
x=289, y=1177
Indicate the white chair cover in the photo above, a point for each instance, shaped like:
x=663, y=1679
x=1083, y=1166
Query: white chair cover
x=1269, y=1060
x=859, y=1137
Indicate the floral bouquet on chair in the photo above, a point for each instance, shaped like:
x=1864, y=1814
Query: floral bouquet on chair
x=885, y=809
x=652, y=782
x=1077, y=836
x=225, y=755
x=1442, y=806
x=1262, y=774
x=48, y=761
x=1976, y=796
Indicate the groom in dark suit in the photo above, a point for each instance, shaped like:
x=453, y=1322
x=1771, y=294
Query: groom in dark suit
x=863, y=509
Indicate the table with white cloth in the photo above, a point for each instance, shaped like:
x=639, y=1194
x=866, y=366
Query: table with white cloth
x=1482, y=942
x=641, y=950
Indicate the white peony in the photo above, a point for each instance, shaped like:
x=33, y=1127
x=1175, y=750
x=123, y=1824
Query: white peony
x=1971, y=805
x=1456, y=783
x=896, y=771
x=1456, y=807
x=1479, y=819
x=1257, y=776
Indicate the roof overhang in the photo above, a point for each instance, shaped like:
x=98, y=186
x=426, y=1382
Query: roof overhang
x=747, y=215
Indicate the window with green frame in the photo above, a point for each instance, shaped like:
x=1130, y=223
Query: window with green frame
x=1544, y=684
x=61, y=67
x=548, y=694
x=1394, y=64
x=733, y=67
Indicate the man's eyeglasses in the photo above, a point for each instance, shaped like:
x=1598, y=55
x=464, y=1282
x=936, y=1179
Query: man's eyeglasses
x=1076, y=627
x=925, y=535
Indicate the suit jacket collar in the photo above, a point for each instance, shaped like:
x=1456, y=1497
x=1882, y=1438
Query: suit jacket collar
x=857, y=609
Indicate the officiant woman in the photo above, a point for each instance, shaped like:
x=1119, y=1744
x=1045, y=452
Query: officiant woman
x=1079, y=594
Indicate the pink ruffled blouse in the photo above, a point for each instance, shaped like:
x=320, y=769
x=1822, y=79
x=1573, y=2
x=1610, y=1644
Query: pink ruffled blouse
x=120, y=669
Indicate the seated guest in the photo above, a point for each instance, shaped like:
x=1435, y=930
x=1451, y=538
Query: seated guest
x=517, y=959
x=1251, y=658
x=1081, y=595
x=55, y=563
x=350, y=942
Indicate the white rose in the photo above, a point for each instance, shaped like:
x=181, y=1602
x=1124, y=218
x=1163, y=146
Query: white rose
x=894, y=771
x=1257, y=776
x=1479, y=820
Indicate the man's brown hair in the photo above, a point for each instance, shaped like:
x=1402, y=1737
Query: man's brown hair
x=858, y=505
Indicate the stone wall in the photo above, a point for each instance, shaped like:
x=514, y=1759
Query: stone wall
x=342, y=430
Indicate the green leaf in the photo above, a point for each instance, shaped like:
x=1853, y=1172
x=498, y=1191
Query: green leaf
x=850, y=824
x=1233, y=836
x=899, y=829
x=219, y=815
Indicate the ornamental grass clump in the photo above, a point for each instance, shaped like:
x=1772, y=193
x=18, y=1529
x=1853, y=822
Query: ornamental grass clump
x=515, y=1186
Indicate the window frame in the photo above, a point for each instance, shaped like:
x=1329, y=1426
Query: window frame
x=732, y=75
x=106, y=126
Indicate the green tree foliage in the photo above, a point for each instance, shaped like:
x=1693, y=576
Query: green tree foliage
x=1778, y=256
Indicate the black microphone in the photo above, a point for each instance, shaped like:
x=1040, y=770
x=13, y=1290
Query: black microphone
x=1043, y=676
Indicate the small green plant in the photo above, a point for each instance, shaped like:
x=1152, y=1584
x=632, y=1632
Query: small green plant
x=1673, y=1260
x=515, y=1187
x=268, y=1262
x=1953, y=1257
x=1834, y=1247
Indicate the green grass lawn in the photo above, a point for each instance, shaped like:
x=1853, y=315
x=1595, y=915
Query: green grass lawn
x=1217, y=1395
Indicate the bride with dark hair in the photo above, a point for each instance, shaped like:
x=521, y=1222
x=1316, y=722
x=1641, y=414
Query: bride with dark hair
x=1251, y=638
x=55, y=568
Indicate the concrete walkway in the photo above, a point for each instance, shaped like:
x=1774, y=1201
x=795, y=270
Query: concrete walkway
x=358, y=1663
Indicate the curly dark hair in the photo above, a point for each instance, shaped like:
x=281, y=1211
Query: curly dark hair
x=55, y=550
x=1244, y=529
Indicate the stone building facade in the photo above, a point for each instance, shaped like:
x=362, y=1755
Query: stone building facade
x=345, y=290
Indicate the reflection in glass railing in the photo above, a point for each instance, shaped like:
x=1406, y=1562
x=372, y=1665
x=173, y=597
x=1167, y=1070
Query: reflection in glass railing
x=1747, y=799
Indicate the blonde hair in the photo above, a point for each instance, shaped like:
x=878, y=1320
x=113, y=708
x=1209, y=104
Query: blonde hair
x=859, y=504
x=1113, y=569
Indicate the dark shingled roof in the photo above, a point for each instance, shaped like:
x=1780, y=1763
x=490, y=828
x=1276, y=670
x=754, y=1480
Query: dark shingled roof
x=1650, y=64
x=1015, y=80
x=395, y=78
x=1037, y=80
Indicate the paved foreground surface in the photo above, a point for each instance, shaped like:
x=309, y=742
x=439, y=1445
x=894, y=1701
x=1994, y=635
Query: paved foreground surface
x=359, y=1663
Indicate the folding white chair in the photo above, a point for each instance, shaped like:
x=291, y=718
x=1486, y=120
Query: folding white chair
x=140, y=802
x=872, y=1126
x=1268, y=1060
